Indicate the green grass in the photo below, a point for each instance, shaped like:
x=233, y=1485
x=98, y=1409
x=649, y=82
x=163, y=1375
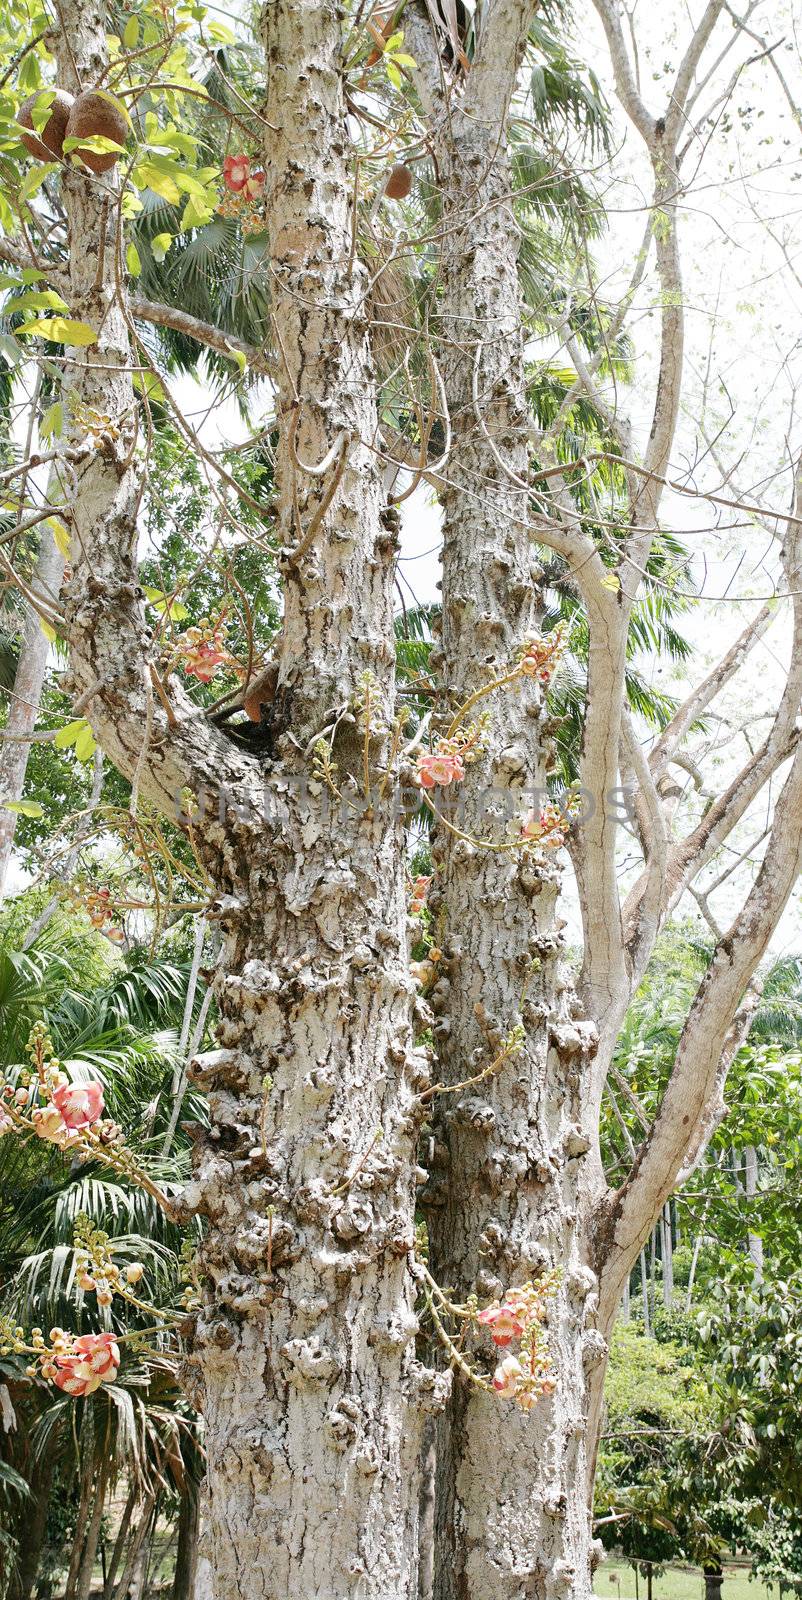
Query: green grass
x=615, y=1580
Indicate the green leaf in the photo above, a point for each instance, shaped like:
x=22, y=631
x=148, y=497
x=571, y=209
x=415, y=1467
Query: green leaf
x=148, y=384
x=24, y=808
x=196, y=214
x=163, y=602
x=133, y=261
x=61, y=330
x=35, y=300
x=10, y=349
x=131, y=33
x=98, y=143
x=52, y=422
x=33, y=180
x=152, y=175
x=40, y=112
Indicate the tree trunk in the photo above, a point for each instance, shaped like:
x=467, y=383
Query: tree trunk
x=186, y=1553
x=84, y=1513
x=89, y=1553
x=119, y=1543
x=134, y=1548
x=31, y=1528
x=512, y=1199
x=644, y=1289
x=303, y=1360
x=755, y=1243
x=667, y=1253
x=714, y=1579
x=26, y=697
x=312, y=1396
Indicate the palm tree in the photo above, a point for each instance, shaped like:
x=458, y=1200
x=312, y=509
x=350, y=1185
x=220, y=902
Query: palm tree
x=117, y=1020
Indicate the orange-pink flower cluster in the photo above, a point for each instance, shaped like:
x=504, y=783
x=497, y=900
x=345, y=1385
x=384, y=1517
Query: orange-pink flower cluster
x=202, y=651
x=239, y=179
x=548, y=827
x=439, y=767
x=73, y=1108
x=418, y=896
x=542, y=654
x=80, y=1367
x=528, y=1376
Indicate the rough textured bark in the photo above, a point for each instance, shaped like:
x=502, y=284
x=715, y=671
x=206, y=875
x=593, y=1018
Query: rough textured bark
x=303, y=1359
x=25, y=698
x=505, y=1206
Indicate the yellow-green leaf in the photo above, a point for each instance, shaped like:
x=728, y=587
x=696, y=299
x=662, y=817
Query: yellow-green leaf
x=611, y=581
x=70, y=733
x=99, y=143
x=52, y=422
x=48, y=630
x=147, y=383
x=24, y=808
x=61, y=537
x=85, y=744
x=163, y=602
x=35, y=300
x=133, y=261
x=62, y=330
x=147, y=175
x=160, y=245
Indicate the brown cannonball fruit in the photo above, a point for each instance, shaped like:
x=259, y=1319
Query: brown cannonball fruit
x=97, y=115
x=399, y=182
x=49, y=142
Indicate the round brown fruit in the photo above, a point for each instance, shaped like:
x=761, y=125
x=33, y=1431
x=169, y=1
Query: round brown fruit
x=399, y=182
x=96, y=115
x=49, y=142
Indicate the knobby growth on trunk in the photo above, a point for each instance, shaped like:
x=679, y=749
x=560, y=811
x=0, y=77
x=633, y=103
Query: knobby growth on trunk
x=346, y=1081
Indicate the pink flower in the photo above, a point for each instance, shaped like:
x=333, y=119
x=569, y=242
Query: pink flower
x=418, y=900
x=507, y=1376
x=439, y=767
x=549, y=826
x=505, y=1323
x=80, y=1104
x=205, y=661
x=49, y=1124
x=6, y=1125
x=236, y=171
x=93, y=1360
x=254, y=186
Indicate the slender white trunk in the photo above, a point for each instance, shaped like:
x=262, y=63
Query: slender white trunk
x=667, y=1253
x=26, y=697
x=755, y=1243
